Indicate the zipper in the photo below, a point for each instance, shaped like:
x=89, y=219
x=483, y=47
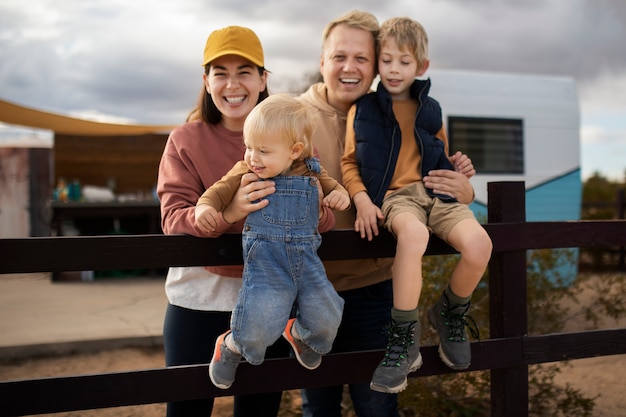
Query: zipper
x=393, y=140
x=420, y=142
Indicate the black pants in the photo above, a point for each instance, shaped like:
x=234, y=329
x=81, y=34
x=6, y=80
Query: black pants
x=189, y=338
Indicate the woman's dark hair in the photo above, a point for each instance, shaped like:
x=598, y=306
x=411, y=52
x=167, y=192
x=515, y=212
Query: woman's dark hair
x=206, y=108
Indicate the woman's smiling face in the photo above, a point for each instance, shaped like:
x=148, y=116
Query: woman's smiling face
x=234, y=84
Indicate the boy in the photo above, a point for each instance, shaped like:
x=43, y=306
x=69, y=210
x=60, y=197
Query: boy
x=394, y=138
x=280, y=243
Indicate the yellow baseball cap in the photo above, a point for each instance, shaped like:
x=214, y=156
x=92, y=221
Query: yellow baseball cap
x=234, y=40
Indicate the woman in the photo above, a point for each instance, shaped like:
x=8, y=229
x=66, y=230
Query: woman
x=197, y=154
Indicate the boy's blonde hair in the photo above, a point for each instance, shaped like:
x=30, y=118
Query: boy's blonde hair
x=282, y=113
x=408, y=34
x=355, y=19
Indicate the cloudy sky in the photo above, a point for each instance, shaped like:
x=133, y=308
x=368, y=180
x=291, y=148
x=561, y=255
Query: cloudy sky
x=139, y=61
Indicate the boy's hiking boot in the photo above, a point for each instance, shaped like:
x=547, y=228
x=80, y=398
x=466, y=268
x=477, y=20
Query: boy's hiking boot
x=307, y=357
x=402, y=356
x=450, y=323
x=223, y=366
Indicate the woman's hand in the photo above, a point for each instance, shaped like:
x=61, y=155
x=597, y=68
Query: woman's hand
x=250, y=197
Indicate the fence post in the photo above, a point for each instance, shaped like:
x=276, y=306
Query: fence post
x=508, y=300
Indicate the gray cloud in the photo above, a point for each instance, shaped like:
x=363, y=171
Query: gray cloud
x=141, y=59
x=577, y=38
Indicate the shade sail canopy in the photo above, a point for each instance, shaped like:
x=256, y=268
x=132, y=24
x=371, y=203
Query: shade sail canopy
x=19, y=115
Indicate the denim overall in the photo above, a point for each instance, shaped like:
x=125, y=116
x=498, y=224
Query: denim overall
x=282, y=269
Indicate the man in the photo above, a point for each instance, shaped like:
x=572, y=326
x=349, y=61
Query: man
x=348, y=68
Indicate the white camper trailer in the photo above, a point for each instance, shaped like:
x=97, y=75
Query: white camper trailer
x=516, y=128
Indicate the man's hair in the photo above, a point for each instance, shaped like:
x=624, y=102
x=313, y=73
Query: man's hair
x=355, y=19
x=408, y=34
x=285, y=114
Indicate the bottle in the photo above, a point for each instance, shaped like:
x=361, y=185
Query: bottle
x=61, y=192
x=74, y=193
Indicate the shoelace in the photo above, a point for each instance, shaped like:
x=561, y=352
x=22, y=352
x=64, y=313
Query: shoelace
x=456, y=323
x=398, y=345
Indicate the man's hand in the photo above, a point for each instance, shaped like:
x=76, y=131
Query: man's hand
x=452, y=183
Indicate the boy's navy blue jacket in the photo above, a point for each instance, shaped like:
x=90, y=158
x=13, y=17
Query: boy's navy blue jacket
x=378, y=138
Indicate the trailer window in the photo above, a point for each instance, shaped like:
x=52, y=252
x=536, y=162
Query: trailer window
x=496, y=146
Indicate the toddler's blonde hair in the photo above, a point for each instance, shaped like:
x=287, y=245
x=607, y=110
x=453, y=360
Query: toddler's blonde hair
x=285, y=115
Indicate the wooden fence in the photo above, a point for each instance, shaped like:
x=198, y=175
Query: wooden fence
x=507, y=353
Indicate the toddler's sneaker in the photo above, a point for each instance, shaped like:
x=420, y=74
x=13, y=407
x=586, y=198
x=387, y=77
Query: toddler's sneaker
x=450, y=323
x=402, y=356
x=223, y=366
x=307, y=357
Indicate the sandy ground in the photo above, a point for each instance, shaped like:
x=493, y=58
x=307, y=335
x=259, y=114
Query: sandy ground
x=601, y=377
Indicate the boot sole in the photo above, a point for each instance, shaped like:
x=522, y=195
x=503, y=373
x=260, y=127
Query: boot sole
x=388, y=390
x=417, y=364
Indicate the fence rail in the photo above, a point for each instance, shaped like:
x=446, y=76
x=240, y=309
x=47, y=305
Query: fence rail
x=507, y=353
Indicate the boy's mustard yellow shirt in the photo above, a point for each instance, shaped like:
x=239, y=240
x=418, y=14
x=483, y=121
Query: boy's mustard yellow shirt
x=407, y=169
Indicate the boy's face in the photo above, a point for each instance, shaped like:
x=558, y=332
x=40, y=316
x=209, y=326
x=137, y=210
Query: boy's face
x=397, y=69
x=270, y=154
x=347, y=65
